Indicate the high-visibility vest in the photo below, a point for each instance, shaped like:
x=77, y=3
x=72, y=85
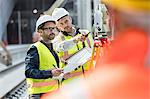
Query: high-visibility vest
x=87, y=66
x=46, y=62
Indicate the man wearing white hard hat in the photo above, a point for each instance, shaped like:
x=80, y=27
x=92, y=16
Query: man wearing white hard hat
x=42, y=62
x=69, y=41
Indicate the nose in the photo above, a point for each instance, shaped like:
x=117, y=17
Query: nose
x=65, y=25
x=50, y=32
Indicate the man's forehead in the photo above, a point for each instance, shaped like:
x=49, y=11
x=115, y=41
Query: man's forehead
x=63, y=18
x=50, y=22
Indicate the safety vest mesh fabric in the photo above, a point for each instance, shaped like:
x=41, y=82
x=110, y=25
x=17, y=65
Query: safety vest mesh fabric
x=46, y=62
x=78, y=72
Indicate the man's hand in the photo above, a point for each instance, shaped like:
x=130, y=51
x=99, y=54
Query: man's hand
x=67, y=75
x=76, y=39
x=81, y=37
x=57, y=72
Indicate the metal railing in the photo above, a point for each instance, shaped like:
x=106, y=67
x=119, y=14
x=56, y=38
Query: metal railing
x=11, y=76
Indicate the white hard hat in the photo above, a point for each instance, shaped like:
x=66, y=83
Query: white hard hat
x=42, y=19
x=59, y=13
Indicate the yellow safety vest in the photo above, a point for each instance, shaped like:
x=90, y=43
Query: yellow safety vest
x=46, y=62
x=79, y=72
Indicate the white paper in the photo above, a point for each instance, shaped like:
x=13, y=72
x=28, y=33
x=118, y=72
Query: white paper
x=78, y=59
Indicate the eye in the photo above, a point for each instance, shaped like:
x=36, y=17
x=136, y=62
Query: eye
x=61, y=23
x=45, y=28
x=66, y=21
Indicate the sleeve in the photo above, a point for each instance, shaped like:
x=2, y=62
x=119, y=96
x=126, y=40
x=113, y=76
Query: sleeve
x=32, y=66
x=63, y=45
x=91, y=40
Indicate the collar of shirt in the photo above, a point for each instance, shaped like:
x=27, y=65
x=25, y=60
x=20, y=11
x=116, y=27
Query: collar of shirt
x=49, y=46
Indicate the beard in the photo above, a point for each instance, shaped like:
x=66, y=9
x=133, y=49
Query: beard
x=51, y=36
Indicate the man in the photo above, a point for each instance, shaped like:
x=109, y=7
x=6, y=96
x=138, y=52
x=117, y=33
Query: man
x=42, y=62
x=70, y=41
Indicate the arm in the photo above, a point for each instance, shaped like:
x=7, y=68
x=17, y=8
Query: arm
x=32, y=66
x=63, y=45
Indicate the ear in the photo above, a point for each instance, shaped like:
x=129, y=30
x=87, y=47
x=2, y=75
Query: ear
x=70, y=19
x=40, y=31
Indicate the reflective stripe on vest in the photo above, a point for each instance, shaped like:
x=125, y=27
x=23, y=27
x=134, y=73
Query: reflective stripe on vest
x=42, y=84
x=74, y=74
x=66, y=55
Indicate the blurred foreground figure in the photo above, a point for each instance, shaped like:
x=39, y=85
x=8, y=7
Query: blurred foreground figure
x=124, y=74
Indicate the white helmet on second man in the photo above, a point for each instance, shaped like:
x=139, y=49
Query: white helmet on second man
x=59, y=13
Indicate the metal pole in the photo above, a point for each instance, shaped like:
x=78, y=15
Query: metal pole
x=19, y=28
x=96, y=3
x=56, y=4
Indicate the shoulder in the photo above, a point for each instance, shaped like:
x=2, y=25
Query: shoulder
x=32, y=49
x=60, y=36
